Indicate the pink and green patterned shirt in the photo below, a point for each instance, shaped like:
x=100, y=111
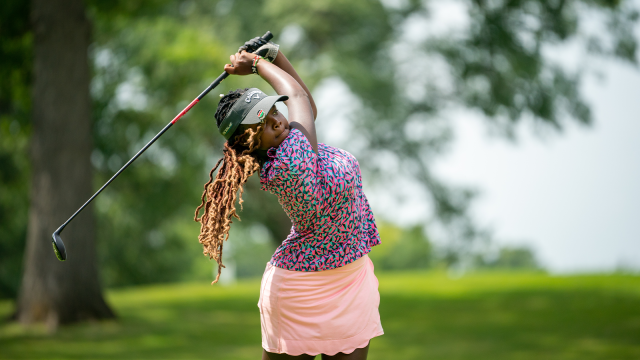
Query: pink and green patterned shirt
x=333, y=224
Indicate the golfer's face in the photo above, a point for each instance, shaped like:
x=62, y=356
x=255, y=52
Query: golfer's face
x=276, y=129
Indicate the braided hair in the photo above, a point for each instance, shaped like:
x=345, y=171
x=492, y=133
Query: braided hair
x=239, y=162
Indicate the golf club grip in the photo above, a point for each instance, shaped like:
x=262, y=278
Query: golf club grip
x=266, y=37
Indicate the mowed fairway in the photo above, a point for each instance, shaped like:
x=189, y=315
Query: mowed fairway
x=424, y=315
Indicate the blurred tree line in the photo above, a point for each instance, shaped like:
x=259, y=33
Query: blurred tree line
x=149, y=58
x=410, y=248
x=407, y=248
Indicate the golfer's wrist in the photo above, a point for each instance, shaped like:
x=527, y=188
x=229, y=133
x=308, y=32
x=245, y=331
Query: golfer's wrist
x=261, y=66
x=280, y=59
x=254, y=64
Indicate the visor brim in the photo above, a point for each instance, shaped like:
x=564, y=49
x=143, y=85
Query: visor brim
x=253, y=116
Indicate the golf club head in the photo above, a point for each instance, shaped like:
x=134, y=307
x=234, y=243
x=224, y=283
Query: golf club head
x=58, y=246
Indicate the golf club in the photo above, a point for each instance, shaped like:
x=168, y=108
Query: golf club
x=58, y=245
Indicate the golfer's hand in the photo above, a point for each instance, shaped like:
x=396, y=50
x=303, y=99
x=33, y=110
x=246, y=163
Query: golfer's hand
x=240, y=63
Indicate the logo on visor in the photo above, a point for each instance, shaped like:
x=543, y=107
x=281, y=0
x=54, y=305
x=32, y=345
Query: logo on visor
x=254, y=94
x=262, y=114
x=224, y=132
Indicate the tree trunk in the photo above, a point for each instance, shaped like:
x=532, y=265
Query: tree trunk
x=53, y=291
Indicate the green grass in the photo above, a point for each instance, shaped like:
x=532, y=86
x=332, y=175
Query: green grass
x=424, y=315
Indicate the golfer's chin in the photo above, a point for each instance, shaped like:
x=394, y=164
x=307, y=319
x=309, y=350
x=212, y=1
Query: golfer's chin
x=276, y=141
x=280, y=138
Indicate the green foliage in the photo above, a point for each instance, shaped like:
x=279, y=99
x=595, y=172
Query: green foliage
x=410, y=249
x=424, y=315
x=14, y=175
x=402, y=249
x=152, y=57
x=147, y=68
x=249, y=248
x=15, y=104
x=510, y=258
x=497, y=64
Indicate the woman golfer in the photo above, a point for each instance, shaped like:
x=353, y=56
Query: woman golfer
x=319, y=294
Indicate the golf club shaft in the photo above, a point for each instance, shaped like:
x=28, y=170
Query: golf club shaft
x=215, y=83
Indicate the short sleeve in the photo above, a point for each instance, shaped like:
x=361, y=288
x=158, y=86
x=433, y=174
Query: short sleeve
x=290, y=172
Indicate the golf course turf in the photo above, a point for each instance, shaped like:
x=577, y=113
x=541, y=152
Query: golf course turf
x=425, y=315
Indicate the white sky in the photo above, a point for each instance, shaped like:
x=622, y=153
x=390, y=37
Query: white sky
x=575, y=198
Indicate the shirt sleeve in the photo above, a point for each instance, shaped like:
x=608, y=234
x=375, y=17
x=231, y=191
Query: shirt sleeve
x=290, y=172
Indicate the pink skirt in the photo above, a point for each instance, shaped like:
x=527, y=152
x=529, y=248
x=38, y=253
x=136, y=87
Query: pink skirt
x=319, y=312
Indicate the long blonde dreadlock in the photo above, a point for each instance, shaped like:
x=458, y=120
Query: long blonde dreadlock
x=239, y=162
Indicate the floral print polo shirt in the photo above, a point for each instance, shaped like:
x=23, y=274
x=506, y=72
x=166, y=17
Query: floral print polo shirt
x=333, y=224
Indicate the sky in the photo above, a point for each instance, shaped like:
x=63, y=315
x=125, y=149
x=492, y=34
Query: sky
x=573, y=197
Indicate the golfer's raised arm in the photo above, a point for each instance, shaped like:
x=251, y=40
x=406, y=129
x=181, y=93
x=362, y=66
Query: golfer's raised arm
x=301, y=115
x=283, y=63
